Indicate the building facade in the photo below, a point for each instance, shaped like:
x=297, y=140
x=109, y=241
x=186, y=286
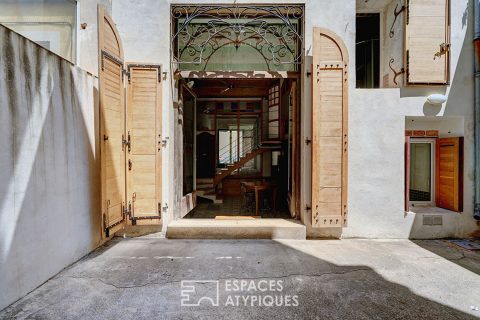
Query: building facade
x=381, y=112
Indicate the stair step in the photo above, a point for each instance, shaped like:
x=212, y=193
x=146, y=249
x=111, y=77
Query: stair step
x=240, y=228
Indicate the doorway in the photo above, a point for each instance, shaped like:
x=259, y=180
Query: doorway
x=245, y=134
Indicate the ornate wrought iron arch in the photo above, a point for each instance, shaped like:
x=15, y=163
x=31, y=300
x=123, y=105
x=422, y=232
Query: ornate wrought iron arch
x=275, y=32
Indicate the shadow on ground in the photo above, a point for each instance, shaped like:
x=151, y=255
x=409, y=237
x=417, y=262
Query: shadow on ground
x=467, y=259
x=141, y=279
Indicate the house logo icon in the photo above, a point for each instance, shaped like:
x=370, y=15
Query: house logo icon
x=200, y=292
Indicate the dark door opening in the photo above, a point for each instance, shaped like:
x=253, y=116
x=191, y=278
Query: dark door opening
x=367, y=48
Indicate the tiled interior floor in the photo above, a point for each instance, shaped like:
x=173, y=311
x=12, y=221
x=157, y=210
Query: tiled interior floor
x=234, y=206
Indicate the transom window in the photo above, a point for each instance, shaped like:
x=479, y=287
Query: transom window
x=238, y=37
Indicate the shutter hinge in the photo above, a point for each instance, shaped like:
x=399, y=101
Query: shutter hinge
x=308, y=208
x=165, y=207
x=127, y=142
x=407, y=67
x=127, y=210
x=127, y=74
x=408, y=11
x=307, y=141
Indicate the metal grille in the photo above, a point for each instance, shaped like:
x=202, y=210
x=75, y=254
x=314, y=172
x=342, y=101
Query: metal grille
x=275, y=32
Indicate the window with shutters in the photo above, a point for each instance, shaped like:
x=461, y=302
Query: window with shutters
x=434, y=172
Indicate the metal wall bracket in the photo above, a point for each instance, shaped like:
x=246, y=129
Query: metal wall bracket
x=164, y=142
x=395, y=73
x=396, y=13
x=165, y=207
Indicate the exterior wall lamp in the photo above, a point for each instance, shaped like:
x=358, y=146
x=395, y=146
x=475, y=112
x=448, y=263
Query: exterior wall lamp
x=437, y=98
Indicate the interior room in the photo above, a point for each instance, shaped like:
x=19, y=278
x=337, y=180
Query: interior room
x=243, y=157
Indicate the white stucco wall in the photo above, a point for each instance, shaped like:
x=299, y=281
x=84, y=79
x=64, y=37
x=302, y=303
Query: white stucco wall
x=49, y=165
x=88, y=37
x=376, y=116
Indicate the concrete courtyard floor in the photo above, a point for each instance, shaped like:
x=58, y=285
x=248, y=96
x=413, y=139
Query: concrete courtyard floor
x=141, y=278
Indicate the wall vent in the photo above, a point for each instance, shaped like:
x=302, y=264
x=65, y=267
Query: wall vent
x=432, y=220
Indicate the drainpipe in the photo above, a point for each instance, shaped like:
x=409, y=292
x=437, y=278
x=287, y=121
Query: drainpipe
x=476, y=45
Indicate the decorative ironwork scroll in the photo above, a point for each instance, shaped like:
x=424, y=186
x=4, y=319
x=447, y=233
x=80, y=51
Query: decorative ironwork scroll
x=275, y=32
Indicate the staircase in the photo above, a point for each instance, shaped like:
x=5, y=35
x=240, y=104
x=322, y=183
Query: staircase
x=224, y=172
x=206, y=190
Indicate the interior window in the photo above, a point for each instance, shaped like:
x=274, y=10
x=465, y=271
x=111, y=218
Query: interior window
x=367, y=46
x=50, y=23
x=421, y=172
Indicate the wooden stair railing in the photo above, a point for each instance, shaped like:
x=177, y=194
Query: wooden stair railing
x=237, y=165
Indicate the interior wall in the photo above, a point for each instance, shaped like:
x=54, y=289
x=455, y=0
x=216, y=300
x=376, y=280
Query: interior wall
x=49, y=165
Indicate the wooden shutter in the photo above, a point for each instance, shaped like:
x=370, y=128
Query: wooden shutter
x=449, y=174
x=112, y=123
x=427, y=37
x=329, y=130
x=144, y=131
x=407, y=174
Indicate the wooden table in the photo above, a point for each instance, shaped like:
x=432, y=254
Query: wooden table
x=258, y=187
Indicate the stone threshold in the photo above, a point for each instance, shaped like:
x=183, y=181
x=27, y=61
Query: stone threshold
x=236, y=229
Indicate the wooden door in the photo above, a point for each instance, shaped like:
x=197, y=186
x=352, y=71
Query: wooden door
x=329, y=130
x=449, y=173
x=144, y=151
x=112, y=123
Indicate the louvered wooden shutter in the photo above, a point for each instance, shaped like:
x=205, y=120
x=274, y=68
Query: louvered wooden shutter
x=427, y=37
x=112, y=123
x=329, y=130
x=144, y=118
x=449, y=174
